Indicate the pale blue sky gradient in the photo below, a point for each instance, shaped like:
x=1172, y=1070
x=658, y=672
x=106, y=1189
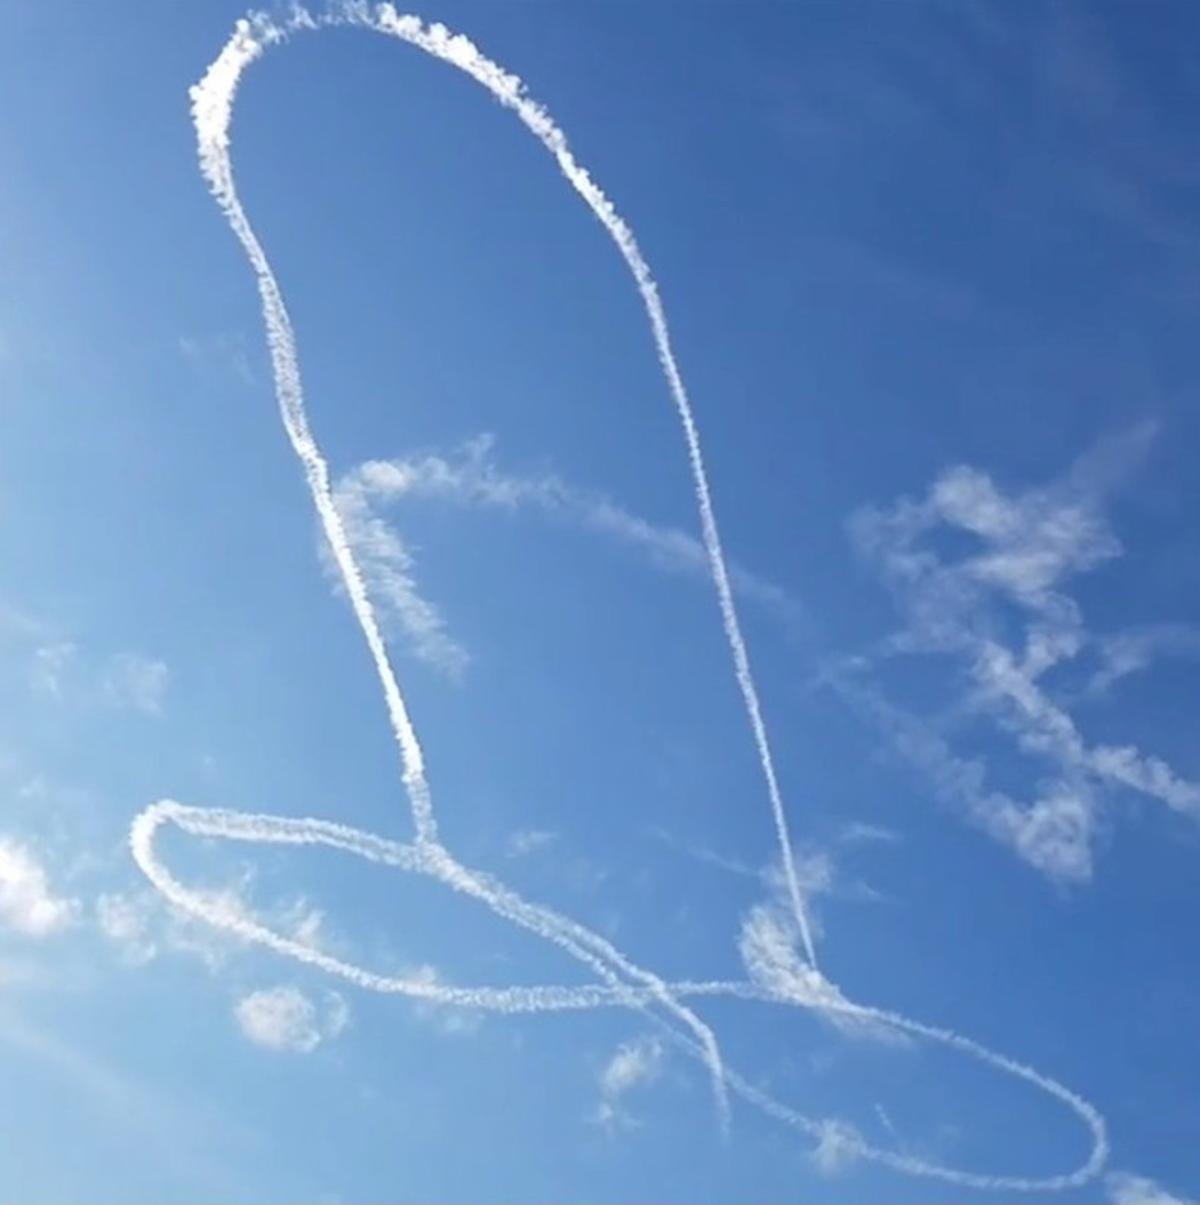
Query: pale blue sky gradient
x=896, y=243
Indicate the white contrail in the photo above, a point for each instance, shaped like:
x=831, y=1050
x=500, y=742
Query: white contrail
x=424, y=857
x=779, y=975
x=471, y=477
x=212, y=108
x=224, y=913
x=212, y=111
x=781, y=984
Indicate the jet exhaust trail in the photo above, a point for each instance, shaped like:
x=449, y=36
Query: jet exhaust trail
x=773, y=979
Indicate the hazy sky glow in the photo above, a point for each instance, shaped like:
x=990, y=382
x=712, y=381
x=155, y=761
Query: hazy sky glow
x=768, y=775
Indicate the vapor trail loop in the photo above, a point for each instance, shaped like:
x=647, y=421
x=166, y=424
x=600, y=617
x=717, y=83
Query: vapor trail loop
x=778, y=975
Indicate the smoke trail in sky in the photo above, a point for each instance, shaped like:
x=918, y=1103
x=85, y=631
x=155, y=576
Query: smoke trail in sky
x=212, y=109
x=469, y=476
x=779, y=974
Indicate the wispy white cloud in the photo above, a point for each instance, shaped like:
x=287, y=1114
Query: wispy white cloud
x=141, y=926
x=470, y=477
x=128, y=922
x=131, y=680
x=224, y=352
x=817, y=870
x=710, y=857
x=1127, y=1189
x=20, y=624
x=885, y=1120
x=49, y=666
x=859, y=832
x=634, y=1064
x=28, y=905
x=1025, y=544
x=1131, y=652
x=387, y=567
x=1054, y=834
x=61, y=670
x=285, y=1019
x=529, y=841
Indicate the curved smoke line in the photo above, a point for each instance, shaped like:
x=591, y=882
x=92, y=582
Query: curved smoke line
x=623, y=984
x=772, y=984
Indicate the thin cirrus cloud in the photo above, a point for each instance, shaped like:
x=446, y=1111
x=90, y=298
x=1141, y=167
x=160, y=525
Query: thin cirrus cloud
x=134, y=681
x=222, y=353
x=817, y=871
x=28, y=904
x=1131, y=652
x=58, y=667
x=141, y=927
x=471, y=477
x=128, y=921
x=525, y=841
x=389, y=573
x=859, y=832
x=62, y=671
x=1024, y=546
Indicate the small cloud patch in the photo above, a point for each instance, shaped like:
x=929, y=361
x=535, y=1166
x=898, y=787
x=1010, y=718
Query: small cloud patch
x=635, y=1064
x=285, y=1020
x=27, y=904
x=529, y=841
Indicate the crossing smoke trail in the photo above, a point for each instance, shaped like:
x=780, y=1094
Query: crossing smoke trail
x=777, y=973
x=212, y=111
x=774, y=979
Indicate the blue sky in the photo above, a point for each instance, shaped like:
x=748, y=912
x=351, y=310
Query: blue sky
x=930, y=274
